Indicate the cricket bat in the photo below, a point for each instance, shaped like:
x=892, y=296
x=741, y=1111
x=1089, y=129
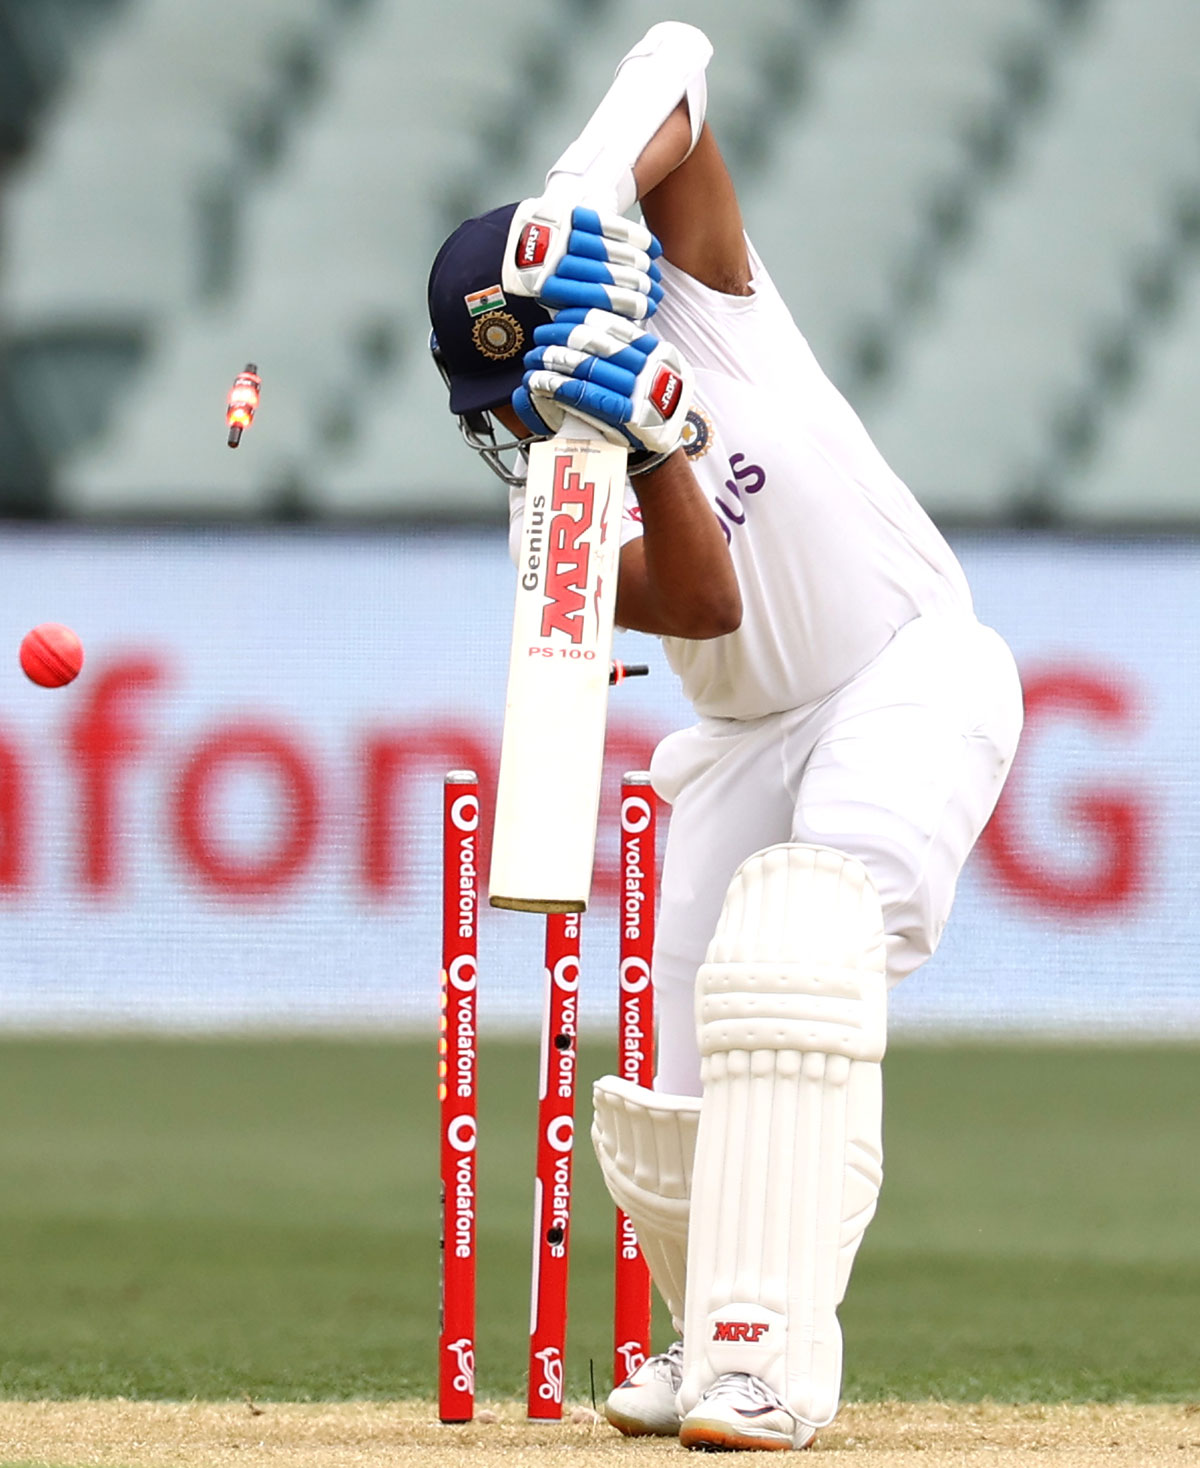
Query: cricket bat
x=552, y=751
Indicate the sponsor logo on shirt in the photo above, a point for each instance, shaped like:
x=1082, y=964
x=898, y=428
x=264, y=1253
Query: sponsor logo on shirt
x=731, y=505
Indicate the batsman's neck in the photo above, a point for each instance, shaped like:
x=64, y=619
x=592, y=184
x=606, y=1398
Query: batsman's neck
x=508, y=415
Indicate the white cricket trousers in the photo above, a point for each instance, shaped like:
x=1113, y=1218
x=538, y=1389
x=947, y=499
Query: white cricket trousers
x=901, y=767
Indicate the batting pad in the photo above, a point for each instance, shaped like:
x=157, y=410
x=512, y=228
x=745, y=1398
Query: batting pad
x=791, y=1014
x=645, y=1142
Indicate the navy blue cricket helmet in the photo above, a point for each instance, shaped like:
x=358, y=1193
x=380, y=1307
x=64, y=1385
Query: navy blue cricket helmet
x=480, y=334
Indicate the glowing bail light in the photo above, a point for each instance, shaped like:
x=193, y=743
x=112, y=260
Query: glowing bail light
x=242, y=402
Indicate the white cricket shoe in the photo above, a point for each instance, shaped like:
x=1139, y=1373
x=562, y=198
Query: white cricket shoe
x=644, y=1403
x=739, y=1413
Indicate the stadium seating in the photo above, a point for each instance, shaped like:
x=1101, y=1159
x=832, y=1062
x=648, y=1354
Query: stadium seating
x=407, y=443
x=853, y=175
x=121, y=164
x=1143, y=466
x=961, y=199
x=334, y=249
x=39, y=43
x=978, y=382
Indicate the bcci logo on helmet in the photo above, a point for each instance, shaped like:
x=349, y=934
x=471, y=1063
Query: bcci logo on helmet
x=498, y=336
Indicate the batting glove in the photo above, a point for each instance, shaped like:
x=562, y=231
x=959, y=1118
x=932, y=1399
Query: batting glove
x=632, y=387
x=576, y=258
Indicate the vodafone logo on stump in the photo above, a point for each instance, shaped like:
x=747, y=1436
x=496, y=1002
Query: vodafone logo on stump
x=561, y=1133
x=461, y=1133
x=636, y=814
x=635, y=975
x=464, y=813
x=462, y=973
x=566, y=975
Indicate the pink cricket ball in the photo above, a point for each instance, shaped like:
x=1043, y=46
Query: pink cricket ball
x=51, y=655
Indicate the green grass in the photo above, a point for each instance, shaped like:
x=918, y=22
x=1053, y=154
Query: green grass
x=215, y=1219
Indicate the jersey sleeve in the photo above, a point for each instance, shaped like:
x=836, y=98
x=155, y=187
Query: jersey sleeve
x=731, y=335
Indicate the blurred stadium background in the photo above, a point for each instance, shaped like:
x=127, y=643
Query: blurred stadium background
x=986, y=217
x=985, y=214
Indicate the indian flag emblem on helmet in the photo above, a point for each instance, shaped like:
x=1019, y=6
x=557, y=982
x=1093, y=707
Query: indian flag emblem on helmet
x=491, y=298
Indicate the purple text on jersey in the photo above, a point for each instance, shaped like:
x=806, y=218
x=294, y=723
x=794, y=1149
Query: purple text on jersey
x=747, y=479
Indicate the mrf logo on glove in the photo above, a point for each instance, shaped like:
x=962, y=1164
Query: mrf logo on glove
x=666, y=391
x=532, y=245
x=569, y=257
x=633, y=387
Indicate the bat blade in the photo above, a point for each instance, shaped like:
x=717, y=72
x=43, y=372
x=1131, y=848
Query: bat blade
x=552, y=753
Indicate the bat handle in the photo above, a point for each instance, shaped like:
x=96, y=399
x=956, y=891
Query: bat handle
x=580, y=428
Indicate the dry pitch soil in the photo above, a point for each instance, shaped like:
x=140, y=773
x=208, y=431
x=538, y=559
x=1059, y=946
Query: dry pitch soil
x=122, y=1434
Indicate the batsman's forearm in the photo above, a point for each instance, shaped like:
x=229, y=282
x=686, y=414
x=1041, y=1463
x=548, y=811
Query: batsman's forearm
x=665, y=151
x=678, y=579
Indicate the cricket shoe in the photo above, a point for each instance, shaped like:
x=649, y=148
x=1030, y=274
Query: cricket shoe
x=740, y=1413
x=644, y=1403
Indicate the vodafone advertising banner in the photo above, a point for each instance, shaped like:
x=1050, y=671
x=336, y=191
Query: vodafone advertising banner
x=233, y=816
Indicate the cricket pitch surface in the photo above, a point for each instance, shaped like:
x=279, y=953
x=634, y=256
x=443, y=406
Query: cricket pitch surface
x=126, y=1434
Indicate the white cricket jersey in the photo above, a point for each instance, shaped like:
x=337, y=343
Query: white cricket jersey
x=833, y=553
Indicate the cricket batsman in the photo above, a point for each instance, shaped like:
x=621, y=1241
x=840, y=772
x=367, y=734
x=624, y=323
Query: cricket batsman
x=855, y=724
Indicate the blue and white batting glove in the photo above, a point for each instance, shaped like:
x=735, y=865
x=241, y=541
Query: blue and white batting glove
x=633, y=388
x=576, y=258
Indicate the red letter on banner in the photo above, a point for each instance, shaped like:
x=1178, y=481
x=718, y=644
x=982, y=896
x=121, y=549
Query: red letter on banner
x=275, y=754
x=1115, y=819
x=12, y=818
x=391, y=762
x=103, y=736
